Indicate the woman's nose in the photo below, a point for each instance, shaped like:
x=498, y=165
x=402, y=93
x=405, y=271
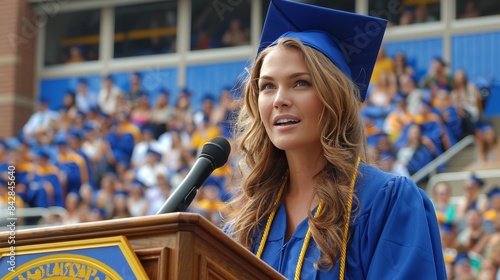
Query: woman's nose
x=282, y=98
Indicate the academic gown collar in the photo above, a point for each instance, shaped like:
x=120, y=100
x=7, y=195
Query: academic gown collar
x=278, y=228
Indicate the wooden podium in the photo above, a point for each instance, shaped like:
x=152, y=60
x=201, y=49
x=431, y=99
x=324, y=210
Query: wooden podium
x=169, y=246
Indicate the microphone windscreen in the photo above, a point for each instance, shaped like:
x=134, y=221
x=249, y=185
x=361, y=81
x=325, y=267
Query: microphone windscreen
x=216, y=150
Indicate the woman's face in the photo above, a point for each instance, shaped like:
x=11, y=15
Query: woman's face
x=289, y=106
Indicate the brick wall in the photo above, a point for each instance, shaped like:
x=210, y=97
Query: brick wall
x=17, y=65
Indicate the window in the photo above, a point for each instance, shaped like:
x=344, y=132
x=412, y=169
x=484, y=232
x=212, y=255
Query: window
x=145, y=29
x=405, y=12
x=72, y=37
x=220, y=23
x=474, y=8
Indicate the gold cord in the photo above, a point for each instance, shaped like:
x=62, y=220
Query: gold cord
x=308, y=234
x=346, y=225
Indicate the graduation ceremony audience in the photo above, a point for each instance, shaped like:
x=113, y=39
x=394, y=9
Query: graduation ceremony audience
x=123, y=151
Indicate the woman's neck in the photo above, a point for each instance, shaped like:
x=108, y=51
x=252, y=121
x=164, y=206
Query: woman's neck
x=302, y=169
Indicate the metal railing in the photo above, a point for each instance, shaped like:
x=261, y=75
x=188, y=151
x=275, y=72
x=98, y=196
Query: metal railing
x=430, y=169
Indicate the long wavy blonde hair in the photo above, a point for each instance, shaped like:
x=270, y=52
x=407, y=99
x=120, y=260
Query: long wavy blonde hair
x=264, y=167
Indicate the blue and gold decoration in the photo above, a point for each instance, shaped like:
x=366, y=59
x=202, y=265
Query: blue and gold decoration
x=91, y=259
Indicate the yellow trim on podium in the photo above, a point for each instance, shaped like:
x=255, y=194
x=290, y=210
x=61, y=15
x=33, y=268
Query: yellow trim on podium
x=72, y=266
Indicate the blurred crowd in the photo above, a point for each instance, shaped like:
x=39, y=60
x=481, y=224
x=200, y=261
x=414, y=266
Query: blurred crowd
x=470, y=229
x=119, y=152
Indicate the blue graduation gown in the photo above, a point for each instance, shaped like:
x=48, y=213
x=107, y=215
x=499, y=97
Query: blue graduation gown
x=394, y=236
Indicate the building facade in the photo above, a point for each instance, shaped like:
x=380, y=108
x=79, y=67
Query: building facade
x=203, y=46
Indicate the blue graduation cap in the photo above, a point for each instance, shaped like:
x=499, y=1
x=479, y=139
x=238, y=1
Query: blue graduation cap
x=447, y=227
x=476, y=180
x=494, y=192
x=461, y=258
x=351, y=41
x=154, y=152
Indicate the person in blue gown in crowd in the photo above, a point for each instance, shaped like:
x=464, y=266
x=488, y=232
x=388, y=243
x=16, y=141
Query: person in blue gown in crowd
x=309, y=204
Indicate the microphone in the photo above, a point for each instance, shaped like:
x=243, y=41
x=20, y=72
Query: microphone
x=214, y=154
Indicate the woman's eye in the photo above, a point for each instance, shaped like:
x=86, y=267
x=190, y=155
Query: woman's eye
x=266, y=87
x=302, y=83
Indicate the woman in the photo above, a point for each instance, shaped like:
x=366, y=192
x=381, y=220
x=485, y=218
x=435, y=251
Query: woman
x=301, y=135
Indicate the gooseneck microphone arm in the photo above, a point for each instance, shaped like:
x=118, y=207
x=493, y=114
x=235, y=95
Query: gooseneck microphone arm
x=214, y=154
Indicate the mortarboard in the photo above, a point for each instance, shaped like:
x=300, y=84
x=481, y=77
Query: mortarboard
x=42, y=153
x=476, y=180
x=447, y=227
x=351, y=41
x=60, y=141
x=154, y=152
x=494, y=192
x=461, y=258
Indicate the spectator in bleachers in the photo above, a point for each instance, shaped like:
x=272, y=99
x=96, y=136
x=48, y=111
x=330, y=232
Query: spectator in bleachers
x=75, y=144
x=401, y=66
x=157, y=195
x=383, y=90
x=433, y=127
x=207, y=110
x=422, y=15
x=97, y=148
x=72, y=205
x=472, y=200
x=414, y=95
x=69, y=104
x=474, y=237
x=40, y=121
x=488, y=269
x=445, y=211
x=174, y=126
x=414, y=152
x=141, y=148
x=465, y=95
x=72, y=165
x=451, y=247
x=141, y=113
x=471, y=10
x=136, y=202
x=135, y=92
x=225, y=114
x=449, y=115
x=75, y=55
x=120, y=208
x=235, y=35
x=397, y=119
x=122, y=137
x=383, y=64
x=462, y=269
x=208, y=202
x=176, y=155
x=406, y=16
x=87, y=202
x=110, y=97
x=105, y=193
x=488, y=146
x=183, y=110
x=492, y=213
x=85, y=99
x=45, y=184
x=152, y=166
x=161, y=113
x=92, y=119
x=204, y=133
x=437, y=75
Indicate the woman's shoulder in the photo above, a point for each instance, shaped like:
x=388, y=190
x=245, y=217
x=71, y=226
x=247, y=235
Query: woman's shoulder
x=375, y=186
